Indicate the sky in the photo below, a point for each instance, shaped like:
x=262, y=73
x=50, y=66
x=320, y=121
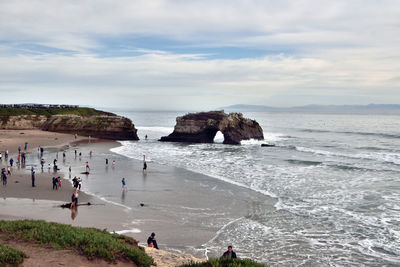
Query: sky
x=199, y=55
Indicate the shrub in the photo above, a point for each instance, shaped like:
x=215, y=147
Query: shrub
x=91, y=242
x=10, y=256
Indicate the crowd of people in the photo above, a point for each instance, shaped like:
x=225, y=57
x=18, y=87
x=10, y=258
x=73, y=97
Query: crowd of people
x=76, y=181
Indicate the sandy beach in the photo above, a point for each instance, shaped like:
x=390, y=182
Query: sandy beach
x=11, y=139
x=179, y=205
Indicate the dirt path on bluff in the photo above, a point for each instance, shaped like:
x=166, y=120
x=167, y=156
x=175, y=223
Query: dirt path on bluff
x=45, y=256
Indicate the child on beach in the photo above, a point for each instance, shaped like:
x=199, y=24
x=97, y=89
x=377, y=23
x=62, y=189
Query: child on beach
x=87, y=166
x=124, y=184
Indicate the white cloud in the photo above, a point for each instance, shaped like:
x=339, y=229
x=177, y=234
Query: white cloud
x=150, y=78
x=337, y=48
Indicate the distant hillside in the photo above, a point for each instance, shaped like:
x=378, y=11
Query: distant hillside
x=371, y=108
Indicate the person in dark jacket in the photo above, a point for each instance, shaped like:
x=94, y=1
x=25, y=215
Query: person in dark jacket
x=229, y=253
x=152, y=240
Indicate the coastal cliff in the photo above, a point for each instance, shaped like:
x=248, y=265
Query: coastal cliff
x=202, y=127
x=81, y=121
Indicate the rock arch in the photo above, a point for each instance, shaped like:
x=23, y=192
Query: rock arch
x=202, y=128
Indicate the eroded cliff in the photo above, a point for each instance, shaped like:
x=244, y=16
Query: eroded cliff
x=202, y=128
x=106, y=125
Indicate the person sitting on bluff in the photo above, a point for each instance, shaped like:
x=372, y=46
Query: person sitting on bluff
x=151, y=241
x=229, y=253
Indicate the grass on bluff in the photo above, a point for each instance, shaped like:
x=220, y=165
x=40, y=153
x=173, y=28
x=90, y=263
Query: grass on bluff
x=10, y=256
x=225, y=262
x=52, y=111
x=93, y=243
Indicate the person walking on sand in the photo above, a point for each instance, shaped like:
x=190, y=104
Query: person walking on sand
x=33, y=176
x=9, y=170
x=6, y=155
x=106, y=162
x=152, y=240
x=87, y=167
x=144, y=164
x=11, y=162
x=74, y=199
x=124, y=184
x=42, y=163
x=229, y=253
x=26, y=146
x=1, y=156
x=4, y=177
x=55, y=185
x=19, y=150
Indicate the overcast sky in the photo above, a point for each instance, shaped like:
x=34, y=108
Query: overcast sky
x=199, y=55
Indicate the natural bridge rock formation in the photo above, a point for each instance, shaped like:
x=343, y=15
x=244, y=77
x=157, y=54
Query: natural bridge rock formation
x=202, y=128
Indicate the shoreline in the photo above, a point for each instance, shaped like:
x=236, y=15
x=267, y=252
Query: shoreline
x=184, y=208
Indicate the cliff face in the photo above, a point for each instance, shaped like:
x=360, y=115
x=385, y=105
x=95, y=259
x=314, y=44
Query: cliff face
x=202, y=128
x=22, y=122
x=100, y=126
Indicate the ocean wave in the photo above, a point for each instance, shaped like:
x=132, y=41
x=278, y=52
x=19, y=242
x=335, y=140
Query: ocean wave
x=158, y=129
x=304, y=162
x=384, y=135
x=393, y=158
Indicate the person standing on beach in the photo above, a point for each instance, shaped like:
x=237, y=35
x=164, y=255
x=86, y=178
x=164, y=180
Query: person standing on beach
x=144, y=164
x=75, y=153
x=1, y=156
x=33, y=176
x=145, y=137
x=41, y=152
x=152, y=240
x=26, y=146
x=11, y=162
x=19, y=150
x=106, y=162
x=6, y=155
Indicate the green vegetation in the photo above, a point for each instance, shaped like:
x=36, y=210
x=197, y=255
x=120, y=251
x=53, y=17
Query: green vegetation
x=10, y=256
x=93, y=243
x=225, y=262
x=6, y=112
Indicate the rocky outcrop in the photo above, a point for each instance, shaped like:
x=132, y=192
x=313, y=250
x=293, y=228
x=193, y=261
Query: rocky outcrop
x=100, y=126
x=202, y=128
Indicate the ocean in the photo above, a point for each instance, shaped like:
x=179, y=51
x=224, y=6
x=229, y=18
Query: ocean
x=335, y=178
